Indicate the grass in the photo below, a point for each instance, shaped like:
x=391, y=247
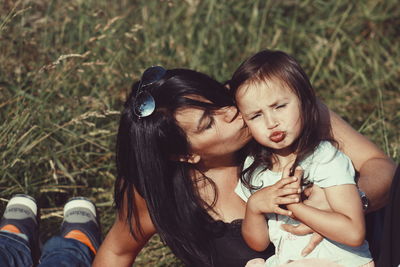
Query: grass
x=66, y=67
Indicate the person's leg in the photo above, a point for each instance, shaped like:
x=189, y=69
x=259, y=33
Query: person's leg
x=14, y=251
x=80, y=237
x=19, y=232
x=390, y=246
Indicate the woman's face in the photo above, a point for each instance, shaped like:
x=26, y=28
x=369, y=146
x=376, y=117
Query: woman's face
x=213, y=133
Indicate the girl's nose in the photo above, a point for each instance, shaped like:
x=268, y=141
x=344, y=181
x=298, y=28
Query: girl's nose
x=270, y=122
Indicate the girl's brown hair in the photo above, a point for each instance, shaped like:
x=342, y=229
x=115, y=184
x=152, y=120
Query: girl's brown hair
x=266, y=65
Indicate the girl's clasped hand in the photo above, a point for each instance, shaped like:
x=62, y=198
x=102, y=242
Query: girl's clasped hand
x=272, y=199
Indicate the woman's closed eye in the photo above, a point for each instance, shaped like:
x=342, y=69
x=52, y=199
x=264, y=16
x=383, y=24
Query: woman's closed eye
x=206, y=122
x=209, y=124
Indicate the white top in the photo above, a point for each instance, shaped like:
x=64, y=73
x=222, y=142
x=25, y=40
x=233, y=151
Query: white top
x=325, y=167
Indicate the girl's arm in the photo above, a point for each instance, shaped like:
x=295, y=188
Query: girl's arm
x=266, y=200
x=119, y=247
x=375, y=169
x=344, y=224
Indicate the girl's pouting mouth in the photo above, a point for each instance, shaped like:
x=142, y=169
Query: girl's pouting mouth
x=277, y=136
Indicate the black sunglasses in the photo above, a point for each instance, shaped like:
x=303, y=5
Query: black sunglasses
x=145, y=104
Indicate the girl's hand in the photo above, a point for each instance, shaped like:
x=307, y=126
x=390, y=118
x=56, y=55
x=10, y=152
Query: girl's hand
x=316, y=198
x=298, y=173
x=267, y=200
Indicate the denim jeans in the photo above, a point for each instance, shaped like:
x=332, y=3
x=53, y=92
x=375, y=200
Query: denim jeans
x=57, y=251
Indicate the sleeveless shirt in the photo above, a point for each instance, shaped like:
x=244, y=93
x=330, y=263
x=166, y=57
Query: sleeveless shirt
x=231, y=249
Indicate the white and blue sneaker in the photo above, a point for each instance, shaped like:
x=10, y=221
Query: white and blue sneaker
x=80, y=214
x=22, y=212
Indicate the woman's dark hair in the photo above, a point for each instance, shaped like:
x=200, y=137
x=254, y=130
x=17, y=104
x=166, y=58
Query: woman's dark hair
x=266, y=65
x=147, y=162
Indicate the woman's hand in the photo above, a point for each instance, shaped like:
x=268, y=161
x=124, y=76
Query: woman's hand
x=315, y=198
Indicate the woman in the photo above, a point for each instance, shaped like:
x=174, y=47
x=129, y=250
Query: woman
x=178, y=157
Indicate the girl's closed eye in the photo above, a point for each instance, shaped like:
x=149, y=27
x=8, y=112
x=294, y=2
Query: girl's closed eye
x=281, y=106
x=254, y=116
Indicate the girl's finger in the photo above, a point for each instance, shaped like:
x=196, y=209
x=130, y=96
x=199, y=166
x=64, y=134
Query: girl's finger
x=294, y=196
x=298, y=173
x=286, y=200
x=285, y=181
x=279, y=210
x=286, y=171
x=288, y=191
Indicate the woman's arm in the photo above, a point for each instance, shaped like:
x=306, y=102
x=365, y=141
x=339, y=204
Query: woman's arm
x=344, y=224
x=119, y=247
x=376, y=169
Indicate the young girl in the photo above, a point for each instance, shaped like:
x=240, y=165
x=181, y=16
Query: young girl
x=279, y=106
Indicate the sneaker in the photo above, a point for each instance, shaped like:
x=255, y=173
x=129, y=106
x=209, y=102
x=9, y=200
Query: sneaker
x=22, y=212
x=80, y=215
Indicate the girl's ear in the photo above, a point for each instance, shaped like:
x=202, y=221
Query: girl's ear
x=192, y=158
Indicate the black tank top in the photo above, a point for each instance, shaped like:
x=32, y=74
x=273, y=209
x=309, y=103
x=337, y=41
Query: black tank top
x=231, y=249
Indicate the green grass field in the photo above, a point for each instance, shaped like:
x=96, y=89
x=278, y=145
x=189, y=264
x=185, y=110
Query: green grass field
x=66, y=66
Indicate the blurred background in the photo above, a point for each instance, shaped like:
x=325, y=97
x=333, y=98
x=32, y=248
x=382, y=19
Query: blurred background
x=66, y=67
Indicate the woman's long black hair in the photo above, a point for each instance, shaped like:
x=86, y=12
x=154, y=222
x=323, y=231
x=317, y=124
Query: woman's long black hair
x=266, y=65
x=147, y=152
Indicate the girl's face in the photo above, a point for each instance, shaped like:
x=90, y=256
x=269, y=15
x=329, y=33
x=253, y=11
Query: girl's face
x=272, y=112
x=213, y=133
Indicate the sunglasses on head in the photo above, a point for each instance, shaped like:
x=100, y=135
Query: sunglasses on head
x=145, y=104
